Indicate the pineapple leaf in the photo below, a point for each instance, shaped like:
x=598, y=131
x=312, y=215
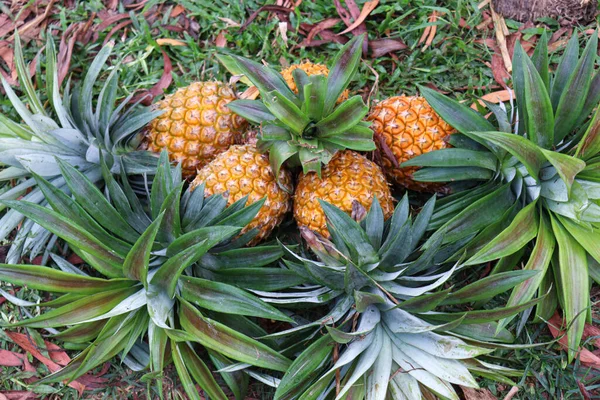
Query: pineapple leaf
x=566, y=66
x=80, y=310
x=72, y=233
x=51, y=280
x=302, y=371
x=228, y=299
x=540, y=59
x=575, y=92
x=453, y=157
x=538, y=261
x=351, y=233
x=314, y=97
x=567, y=167
x=540, y=116
x=525, y=151
x=25, y=80
x=136, y=263
x=448, y=174
x=523, y=228
x=93, y=201
x=286, y=111
x=572, y=268
x=228, y=342
x=345, y=65
x=589, y=145
x=265, y=79
x=489, y=287
x=344, y=117
x=252, y=110
x=189, y=360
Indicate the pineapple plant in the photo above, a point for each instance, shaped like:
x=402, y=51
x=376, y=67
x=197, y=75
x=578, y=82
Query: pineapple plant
x=349, y=178
x=79, y=128
x=196, y=125
x=406, y=127
x=157, y=297
x=381, y=338
x=528, y=182
x=243, y=172
x=304, y=129
x=305, y=125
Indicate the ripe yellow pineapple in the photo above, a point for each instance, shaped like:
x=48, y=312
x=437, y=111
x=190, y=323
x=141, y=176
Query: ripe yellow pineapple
x=196, y=125
x=409, y=127
x=349, y=176
x=242, y=171
x=310, y=69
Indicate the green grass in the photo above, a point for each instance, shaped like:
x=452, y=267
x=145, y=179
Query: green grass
x=455, y=62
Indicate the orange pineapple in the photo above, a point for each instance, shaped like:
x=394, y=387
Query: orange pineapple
x=409, y=127
x=349, y=176
x=196, y=126
x=242, y=171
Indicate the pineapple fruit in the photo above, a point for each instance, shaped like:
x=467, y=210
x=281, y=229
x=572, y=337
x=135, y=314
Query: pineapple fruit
x=242, y=171
x=406, y=127
x=196, y=125
x=310, y=69
x=348, y=177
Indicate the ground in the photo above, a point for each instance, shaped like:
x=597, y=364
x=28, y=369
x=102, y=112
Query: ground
x=447, y=45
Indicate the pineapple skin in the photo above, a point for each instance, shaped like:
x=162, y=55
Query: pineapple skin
x=242, y=171
x=349, y=176
x=310, y=69
x=196, y=126
x=409, y=127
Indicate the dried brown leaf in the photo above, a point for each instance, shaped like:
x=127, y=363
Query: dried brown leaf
x=321, y=26
x=474, y=394
x=380, y=47
x=366, y=10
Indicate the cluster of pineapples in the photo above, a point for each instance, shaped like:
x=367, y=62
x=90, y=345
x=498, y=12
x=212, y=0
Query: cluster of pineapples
x=182, y=267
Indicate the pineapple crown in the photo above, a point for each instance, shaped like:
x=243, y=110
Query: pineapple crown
x=75, y=130
x=154, y=263
x=306, y=128
x=529, y=174
x=386, y=291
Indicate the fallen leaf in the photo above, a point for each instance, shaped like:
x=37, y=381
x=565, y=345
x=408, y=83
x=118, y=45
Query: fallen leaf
x=170, y=42
x=585, y=356
x=583, y=391
x=220, y=41
x=499, y=71
x=18, y=395
x=366, y=10
x=321, y=26
x=380, y=47
x=178, y=9
x=22, y=341
x=10, y=359
x=474, y=394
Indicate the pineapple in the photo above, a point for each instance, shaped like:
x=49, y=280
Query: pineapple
x=196, y=125
x=243, y=171
x=309, y=69
x=349, y=177
x=382, y=337
x=158, y=297
x=407, y=126
x=531, y=181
